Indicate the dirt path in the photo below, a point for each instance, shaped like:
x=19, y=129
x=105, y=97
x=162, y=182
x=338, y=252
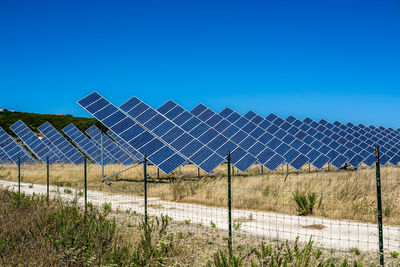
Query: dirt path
x=326, y=233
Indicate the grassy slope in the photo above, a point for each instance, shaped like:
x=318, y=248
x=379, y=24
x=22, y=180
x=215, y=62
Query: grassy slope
x=34, y=120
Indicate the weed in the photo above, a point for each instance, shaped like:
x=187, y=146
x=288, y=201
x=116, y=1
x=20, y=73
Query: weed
x=187, y=222
x=356, y=251
x=213, y=225
x=59, y=184
x=179, y=235
x=237, y=226
x=30, y=186
x=394, y=254
x=106, y=208
x=67, y=191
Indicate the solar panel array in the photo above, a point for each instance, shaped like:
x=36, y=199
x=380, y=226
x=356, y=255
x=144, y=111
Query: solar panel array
x=109, y=146
x=162, y=155
x=13, y=149
x=63, y=146
x=37, y=146
x=88, y=146
x=171, y=136
x=203, y=137
x=225, y=134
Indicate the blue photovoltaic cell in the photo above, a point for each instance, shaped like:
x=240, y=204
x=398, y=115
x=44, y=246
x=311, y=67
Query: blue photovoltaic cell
x=41, y=150
x=299, y=162
x=63, y=145
x=88, y=146
x=4, y=158
x=108, y=145
x=13, y=149
x=55, y=150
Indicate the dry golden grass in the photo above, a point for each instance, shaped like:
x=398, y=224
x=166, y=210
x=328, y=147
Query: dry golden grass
x=349, y=195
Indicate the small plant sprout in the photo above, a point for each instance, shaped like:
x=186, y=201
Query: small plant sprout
x=237, y=226
x=394, y=254
x=128, y=211
x=67, y=191
x=356, y=251
x=31, y=186
x=213, y=225
x=106, y=208
x=187, y=222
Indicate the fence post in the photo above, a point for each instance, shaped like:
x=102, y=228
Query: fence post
x=19, y=175
x=102, y=152
x=229, y=207
x=379, y=201
x=85, y=182
x=47, y=179
x=145, y=188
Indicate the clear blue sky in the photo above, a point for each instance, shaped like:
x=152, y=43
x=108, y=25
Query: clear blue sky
x=338, y=60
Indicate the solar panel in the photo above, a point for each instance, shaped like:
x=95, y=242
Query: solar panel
x=111, y=147
x=211, y=137
x=192, y=143
x=125, y=146
x=165, y=157
x=4, y=158
x=32, y=141
x=239, y=137
x=87, y=146
x=55, y=150
x=13, y=149
x=60, y=142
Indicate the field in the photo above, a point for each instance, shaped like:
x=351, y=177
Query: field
x=342, y=221
x=341, y=194
x=58, y=233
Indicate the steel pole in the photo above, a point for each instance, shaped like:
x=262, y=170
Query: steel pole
x=379, y=202
x=229, y=207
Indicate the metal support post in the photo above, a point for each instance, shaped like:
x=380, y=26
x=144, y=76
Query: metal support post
x=145, y=188
x=229, y=207
x=102, y=153
x=19, y=175
x=48, y=178
x=379, y=202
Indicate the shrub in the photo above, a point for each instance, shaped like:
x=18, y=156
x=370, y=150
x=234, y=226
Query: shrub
x=306, y=202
